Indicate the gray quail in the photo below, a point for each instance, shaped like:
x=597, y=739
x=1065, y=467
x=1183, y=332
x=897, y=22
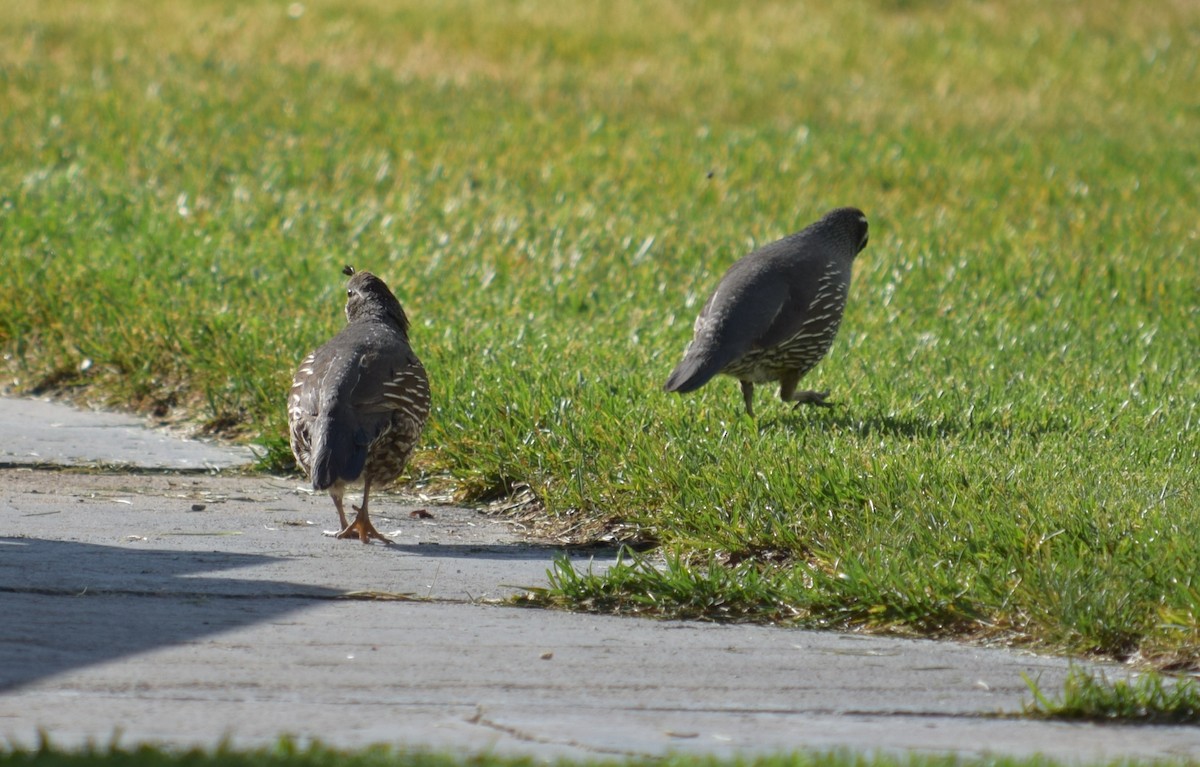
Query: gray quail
x=359, y=403
x=776, y=311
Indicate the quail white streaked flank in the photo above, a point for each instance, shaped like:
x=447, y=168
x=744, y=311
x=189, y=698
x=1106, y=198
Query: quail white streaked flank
x=358, y=403
x=775, y=313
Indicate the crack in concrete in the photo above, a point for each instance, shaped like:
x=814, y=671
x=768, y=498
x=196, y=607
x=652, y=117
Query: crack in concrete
x=527, y=737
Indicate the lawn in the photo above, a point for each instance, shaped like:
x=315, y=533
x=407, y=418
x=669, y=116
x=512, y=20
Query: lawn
x=289, y=754
x=552, y=189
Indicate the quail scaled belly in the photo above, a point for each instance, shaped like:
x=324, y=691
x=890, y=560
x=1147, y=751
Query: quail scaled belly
x=776, y=311
x=358, y=404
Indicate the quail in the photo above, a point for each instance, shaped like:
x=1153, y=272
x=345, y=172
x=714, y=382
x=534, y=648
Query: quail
x=358, y=403
x=775, y=313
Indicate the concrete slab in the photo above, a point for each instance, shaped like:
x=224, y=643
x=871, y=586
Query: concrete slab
x=36, y=432
x=474, y=678
x=187, y=609
x=269, y=532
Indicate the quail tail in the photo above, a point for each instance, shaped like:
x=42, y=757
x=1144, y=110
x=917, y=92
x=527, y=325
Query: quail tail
x=704, y=359
x=337, y=453
x=689, y=375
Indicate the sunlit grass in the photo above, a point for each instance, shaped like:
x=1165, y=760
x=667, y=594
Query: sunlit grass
x=1149, y=699
x=289, y=753
x=552, y=190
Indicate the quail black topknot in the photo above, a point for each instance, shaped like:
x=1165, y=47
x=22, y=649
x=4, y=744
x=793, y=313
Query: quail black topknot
x=358, y=403
x=776, y=311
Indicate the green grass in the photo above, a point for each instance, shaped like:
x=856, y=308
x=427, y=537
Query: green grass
x=552, y=190
x=1150, y=699
x=288, y=753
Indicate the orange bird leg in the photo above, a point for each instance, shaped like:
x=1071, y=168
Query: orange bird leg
x=361, y=526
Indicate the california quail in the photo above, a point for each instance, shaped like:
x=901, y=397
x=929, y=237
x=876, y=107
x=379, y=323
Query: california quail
x=776, y=311
x=358, y=403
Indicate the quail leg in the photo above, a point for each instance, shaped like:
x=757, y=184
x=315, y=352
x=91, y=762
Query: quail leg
x=788, y=393
x=361, y=527
x=335, y=493
x=748, y=397
x=811, y=398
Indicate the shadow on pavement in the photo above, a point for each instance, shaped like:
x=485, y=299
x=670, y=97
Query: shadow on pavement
x=54, y=620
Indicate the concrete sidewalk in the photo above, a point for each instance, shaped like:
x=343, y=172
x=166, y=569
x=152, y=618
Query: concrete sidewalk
x=185, y=609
